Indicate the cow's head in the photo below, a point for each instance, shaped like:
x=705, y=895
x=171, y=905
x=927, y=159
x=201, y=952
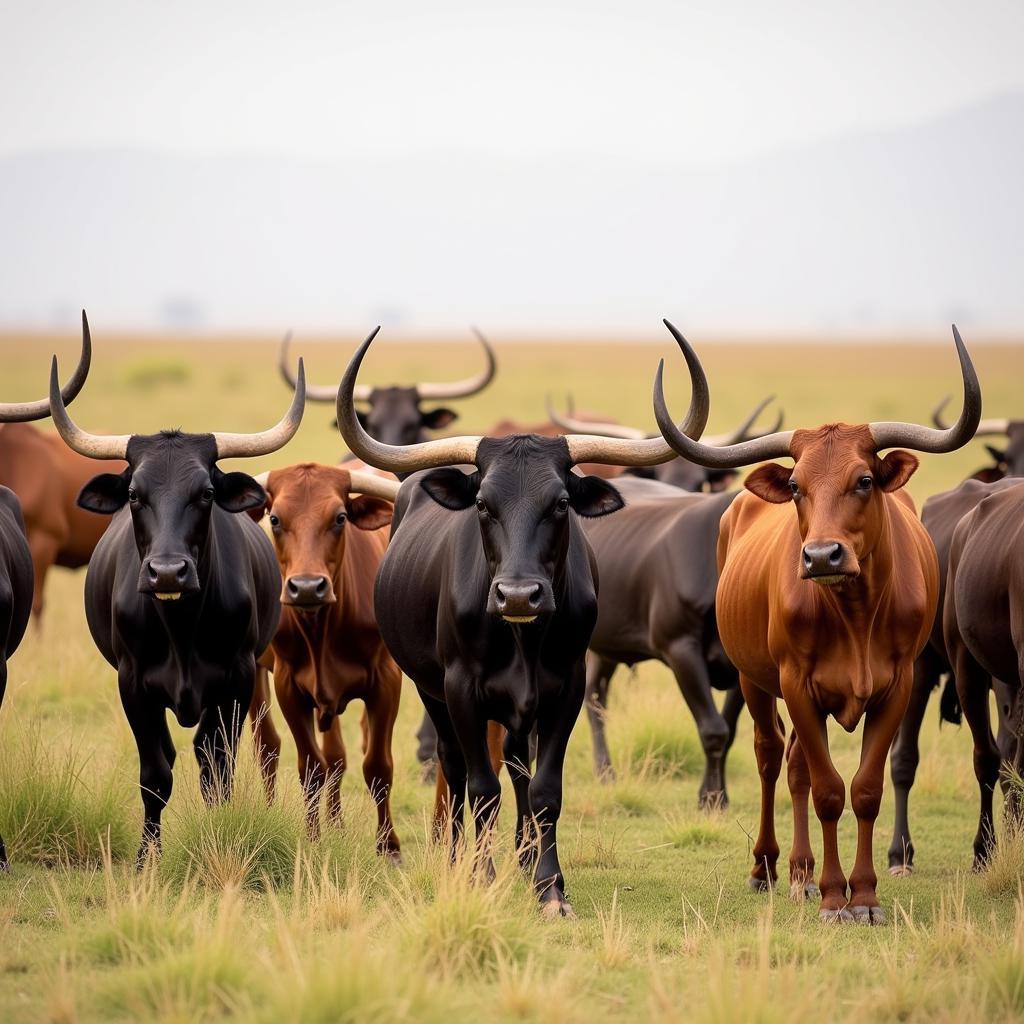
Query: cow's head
x=839, y=476
x=1008, y=460
x=170, y=485
x=679, y=472
x=311, y=509
x=522, y=489
x=394, y=415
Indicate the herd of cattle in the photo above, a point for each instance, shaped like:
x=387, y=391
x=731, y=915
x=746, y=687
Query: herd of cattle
x=472, y=564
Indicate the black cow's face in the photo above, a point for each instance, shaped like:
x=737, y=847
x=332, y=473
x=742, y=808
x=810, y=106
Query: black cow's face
x=522, y=492
x=395, y=417
x=171, y=484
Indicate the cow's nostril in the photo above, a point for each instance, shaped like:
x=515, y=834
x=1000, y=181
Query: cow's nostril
x=536, y=594
x=321, y=587
x=836, y=555
x=499, y=594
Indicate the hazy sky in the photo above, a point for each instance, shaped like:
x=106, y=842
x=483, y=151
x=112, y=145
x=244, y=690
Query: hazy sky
x=693, y=81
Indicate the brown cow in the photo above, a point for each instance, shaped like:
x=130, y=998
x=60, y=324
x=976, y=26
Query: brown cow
x=329, y=530
x=826, y=605
x=47, y=475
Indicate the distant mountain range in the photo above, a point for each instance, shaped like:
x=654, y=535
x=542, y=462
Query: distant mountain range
x=898, y=229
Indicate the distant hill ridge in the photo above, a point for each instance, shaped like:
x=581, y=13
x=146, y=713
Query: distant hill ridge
x=903, y=228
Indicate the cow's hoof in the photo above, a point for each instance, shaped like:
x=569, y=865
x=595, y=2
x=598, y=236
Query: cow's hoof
x=901, y=870
x=605, y=774
x=557, y=908
x=801, y=891
x=759, y=884
x=868, y=915
x=716, y=800
x=841, y=916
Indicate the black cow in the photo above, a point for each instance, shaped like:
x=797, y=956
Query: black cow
x=983, y=626
x=940, y=515
x=181, y=594
x=394, y=415
x=658, y=579
x=487, y=597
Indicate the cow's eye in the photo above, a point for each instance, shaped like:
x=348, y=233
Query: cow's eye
x=864, y=483
x=339, y=519
x=208, y=494
x=133, y=495
x=794, y=487
x=563, y=505
x=481, y=506
x=275, y=522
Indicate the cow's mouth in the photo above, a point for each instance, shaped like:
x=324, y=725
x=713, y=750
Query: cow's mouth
x=832, y=580
x=520, y=618
x=168, y=595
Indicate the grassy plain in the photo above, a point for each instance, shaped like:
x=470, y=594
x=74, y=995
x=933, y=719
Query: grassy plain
x=246, y=920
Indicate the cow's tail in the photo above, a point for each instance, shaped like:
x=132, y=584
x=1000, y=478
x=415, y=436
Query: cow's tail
x=949, y=703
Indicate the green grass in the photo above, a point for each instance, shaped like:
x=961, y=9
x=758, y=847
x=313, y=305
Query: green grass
x=246, y=920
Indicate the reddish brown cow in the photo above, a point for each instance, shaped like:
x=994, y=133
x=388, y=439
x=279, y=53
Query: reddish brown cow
x=47, y=475
x=826, y=605
x=329, y=530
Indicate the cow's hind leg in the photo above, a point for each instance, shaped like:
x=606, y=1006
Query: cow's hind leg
x=556, y=717
x=769, y=745
x=426, y=748
x=906, y=755
x=972, y=686
x=156, y=760
x=378, y=766
x=599, y=676
x=801, y=858
x=265, y=737
x=686, y=660
x=517, y=758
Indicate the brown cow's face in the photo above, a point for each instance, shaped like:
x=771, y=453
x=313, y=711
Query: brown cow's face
x=837, y=486
x=310, y=510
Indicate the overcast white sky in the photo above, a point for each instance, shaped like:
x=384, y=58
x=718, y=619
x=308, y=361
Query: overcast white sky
x=688, y=81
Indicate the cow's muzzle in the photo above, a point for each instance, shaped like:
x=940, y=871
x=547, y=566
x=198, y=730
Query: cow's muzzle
x=307, y=592
x=828, y=562
x=168, y=577
x=519, y=600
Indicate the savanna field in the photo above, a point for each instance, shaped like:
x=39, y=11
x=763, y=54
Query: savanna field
x=245, y=919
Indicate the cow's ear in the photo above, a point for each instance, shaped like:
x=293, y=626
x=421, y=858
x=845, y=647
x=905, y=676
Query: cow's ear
x=106, y=493
x=896, y=469
x=999, y=456
x=438, y=419
x=770, y=482
x=237, y=492
x=591, y=496
x=369, y=513
x=451, y=488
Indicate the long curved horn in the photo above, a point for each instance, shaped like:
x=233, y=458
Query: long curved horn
x=445, y=451
x=314, y=392
x=928, y=439
x=95, y=446
x=234, y=446
x=598, y=427
x=609, y=451
x=373, y=485
x=986, y=428
x=23, y=412
x=467, y=387
x=770, y=446
x=603, y=429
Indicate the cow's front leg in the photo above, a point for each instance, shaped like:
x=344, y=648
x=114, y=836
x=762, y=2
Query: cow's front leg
x=517, y=758
x=828, y=792
x=471, y=727
x=148, y=723
x=866, y=796
x=557, y=715
x=216, y=744
x=378, y=766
